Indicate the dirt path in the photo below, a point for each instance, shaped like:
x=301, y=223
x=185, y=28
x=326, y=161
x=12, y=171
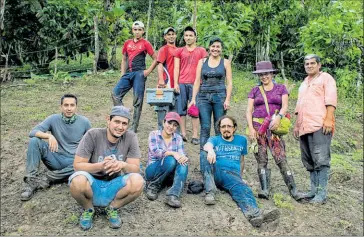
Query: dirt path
x=54, y=212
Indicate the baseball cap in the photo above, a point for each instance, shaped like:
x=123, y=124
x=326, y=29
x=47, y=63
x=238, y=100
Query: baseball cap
x=168, y=30
x=121, y=111
x=189, y=28
x=173, y=116
x=138, y=24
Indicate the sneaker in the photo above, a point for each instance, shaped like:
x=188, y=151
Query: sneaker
x=195, y=141
x=113, y=217
x=210, y=199
x=32, y=184
x=152, y=194
x=173, y=201
x=86, y=219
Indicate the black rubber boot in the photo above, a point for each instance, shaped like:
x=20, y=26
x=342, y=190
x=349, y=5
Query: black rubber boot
x=289, y=180
x=264, y=176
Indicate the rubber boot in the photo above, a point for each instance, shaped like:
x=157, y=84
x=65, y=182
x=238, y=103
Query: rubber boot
x=289, y=180
x=138, y=105
x=264, y=181
x=264, y=216
x=116, y=100
x=323, y=179
x=314, y=183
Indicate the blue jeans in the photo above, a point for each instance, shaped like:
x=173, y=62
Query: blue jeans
x=103, y=191
x=38, y=150
x=231, y=181
x=159, y=171
x=208, y=104
x=135, y=80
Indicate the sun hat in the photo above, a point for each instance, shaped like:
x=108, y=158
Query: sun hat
x=173, y=116
x=138, y=24
x=193, y=111
x=168, y=30
x=263, y=66
x=121, y=111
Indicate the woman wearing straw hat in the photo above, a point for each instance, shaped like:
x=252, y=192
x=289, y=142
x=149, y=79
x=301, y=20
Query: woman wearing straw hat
x=257, y=111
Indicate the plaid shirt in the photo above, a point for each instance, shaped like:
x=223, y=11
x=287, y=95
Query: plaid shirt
x=157, y=146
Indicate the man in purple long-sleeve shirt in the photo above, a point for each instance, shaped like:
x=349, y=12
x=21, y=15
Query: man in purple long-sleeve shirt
x=166, y=158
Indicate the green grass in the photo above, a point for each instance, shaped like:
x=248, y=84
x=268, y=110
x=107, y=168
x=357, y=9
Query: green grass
x=282, y=201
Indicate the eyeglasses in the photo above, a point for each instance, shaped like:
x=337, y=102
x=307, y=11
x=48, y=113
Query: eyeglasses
x=226, y=126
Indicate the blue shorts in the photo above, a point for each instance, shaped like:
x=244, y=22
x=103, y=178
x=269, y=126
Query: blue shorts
x=104, y=191
x=184, y=96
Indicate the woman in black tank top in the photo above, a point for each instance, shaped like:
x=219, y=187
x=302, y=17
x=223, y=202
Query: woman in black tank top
x=212, y=87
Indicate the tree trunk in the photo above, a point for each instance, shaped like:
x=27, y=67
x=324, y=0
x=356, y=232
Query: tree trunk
x=2, y=12
x=55, y=62
x=103, y=62
x=148, y=21
x=96, y=59
x=113, y=63
x=359, y=81
x=194, y=17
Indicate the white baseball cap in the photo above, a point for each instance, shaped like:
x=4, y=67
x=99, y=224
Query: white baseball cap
x=137, y=24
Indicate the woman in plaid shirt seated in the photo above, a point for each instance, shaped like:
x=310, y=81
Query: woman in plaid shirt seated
x=166, y=159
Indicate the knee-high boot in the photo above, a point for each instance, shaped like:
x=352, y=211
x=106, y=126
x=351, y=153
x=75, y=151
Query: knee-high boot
x=264, y=178
x=289, y=180
x=323, y=179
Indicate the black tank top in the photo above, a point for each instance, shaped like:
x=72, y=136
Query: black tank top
x=213, y=79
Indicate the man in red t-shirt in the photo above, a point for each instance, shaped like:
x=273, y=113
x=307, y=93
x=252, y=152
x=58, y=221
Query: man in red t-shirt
x=133, y=73
x=185, y=65
x=165, y=59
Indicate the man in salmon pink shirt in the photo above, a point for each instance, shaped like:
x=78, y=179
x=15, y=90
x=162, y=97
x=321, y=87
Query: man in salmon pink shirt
x=316, y=104
x=165, y=60
x=185, y=65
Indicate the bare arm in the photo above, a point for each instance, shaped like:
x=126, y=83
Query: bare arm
x=329, y=119
x=82, y=164
x=176, y=73
x=123, y=65
x=249, y=119
x=211, y=155
x=52, y=141
x=242, y=166
x=152, y=66
x=196, y=85
x=282, y=112
x=160, y=75
x=229, y=83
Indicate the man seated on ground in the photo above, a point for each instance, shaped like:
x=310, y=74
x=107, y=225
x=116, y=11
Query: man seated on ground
x=57, y=150
x=107, y=169
x=224, y=167
x=166, y=158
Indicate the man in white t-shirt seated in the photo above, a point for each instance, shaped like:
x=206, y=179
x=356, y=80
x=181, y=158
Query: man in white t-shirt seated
x=107, y=165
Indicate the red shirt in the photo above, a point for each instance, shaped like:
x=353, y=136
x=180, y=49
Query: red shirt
x=188, y=63
x=165, y=56
x=135, y=54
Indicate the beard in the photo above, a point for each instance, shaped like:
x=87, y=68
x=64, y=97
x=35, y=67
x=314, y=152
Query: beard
x=227, y=135
x=114, y=135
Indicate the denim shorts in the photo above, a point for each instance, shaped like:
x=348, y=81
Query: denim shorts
x=104, y=191
x=184, y=96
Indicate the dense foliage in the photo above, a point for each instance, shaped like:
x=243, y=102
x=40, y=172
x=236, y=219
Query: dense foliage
x=251, y=31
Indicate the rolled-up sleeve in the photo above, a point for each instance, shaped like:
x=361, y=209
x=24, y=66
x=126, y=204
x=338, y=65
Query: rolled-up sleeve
x=330, y=91
x=44, y=126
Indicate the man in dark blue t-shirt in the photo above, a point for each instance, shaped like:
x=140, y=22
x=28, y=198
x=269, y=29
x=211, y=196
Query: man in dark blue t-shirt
x=224, y=165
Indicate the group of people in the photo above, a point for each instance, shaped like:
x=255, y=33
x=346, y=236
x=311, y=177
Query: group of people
x=102, y=165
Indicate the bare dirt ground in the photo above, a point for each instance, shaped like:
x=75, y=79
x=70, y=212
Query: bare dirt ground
x=55, y=212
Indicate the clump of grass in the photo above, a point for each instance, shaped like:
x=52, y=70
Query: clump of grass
x=281, y=201
x=72, y=219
